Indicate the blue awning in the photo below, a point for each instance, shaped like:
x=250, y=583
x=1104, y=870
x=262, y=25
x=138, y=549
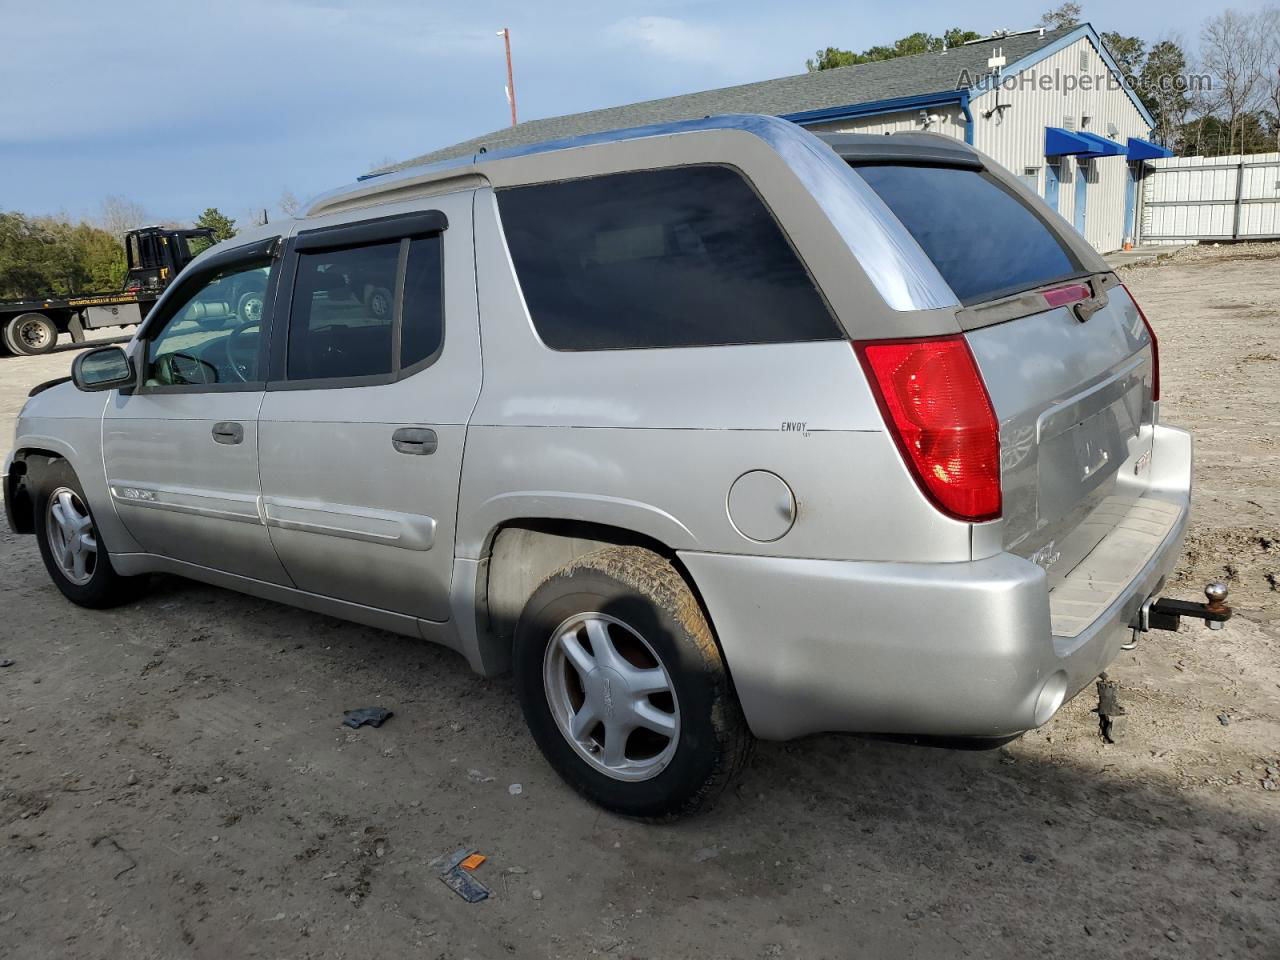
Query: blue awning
x=1059, y=142
x=1146, y=150
x=1101, y=146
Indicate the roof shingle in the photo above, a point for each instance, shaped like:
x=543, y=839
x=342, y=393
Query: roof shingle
x=922, y=73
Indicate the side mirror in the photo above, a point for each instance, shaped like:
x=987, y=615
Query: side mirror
x=107, y=368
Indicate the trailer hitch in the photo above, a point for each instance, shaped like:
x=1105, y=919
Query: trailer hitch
x=1167, y=613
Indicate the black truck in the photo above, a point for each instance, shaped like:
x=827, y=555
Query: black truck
x=155, y=256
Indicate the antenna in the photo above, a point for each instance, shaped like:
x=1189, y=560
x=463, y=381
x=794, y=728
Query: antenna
x=505, y=34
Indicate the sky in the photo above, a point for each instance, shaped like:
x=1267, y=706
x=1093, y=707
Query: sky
x=179, y=106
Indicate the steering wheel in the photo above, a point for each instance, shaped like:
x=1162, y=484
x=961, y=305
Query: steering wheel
x=240, y=356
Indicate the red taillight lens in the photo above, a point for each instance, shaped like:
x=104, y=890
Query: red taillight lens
x=1071, y=293
x=1155, y=348
x=937, y=408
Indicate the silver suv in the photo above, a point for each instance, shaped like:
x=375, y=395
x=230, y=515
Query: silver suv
x=707, y=431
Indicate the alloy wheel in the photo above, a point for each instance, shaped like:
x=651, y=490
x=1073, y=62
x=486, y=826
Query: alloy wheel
x=611, y=697
x=72, y=538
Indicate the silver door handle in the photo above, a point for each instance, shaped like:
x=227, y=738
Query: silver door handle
x=226, y=431
x=414, y=440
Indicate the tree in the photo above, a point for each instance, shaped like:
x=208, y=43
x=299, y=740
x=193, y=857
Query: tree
x=907, y=46
x=1162, y=86
x=1269, y=19
x=1233, y=50
x=120, y=215
x=46, y=256
x=288, y=203
x=1128, y=53
x=223, y=227
x=955, y=36
x=1067, y=15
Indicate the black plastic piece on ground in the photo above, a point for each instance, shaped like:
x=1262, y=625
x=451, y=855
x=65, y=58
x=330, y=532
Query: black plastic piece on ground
x=374, y=716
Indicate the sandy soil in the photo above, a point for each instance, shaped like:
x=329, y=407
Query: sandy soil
x=174, y=780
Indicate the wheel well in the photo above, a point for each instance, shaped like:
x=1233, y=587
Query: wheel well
x=523, y=553
x=19, y=493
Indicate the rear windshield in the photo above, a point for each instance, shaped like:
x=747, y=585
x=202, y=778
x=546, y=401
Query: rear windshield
x=985, y=241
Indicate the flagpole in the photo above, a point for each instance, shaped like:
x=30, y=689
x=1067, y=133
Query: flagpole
x=505, y=34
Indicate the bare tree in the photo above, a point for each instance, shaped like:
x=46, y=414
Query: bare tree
x=1269, y=28
x=288, y=203
x=1231, y=47
x=120, y=215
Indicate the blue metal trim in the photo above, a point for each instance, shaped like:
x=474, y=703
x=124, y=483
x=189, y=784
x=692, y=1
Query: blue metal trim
x=1140, y=150
x=874, y=107
x=968, y=117
x=1060, y=142
x=1102, y=147
x=1064, y=41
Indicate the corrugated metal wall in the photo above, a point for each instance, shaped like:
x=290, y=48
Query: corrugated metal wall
x=946, y=120
x=1211, y=198
x=1014, y=134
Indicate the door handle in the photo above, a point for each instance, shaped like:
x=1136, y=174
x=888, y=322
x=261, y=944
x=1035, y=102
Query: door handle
x=226, y=431
x=414, y=440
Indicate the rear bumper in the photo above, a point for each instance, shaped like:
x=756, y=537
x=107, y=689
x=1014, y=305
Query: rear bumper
x=947, y=649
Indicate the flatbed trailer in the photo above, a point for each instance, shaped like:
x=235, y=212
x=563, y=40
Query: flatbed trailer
x=155, y=257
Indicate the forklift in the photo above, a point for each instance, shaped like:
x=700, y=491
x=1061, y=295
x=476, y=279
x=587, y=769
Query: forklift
x=155, y=257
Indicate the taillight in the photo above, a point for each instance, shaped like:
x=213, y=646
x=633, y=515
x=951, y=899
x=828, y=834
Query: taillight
x=1071, y=293
x=1155, y=347
x=936, y=406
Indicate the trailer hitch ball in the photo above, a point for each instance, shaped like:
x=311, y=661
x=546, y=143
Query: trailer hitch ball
x=1166, y=613
x=1216, y=594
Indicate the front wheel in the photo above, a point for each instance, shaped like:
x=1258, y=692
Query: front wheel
x=624, y=688
x=30, y=334
x=72, y=550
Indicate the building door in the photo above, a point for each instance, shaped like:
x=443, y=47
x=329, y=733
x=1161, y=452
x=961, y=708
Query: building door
x=1082, y=192
x=1130, y=199
x=1052, y=176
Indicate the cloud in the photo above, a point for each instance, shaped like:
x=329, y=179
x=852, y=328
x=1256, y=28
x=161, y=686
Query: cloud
x=671, y=39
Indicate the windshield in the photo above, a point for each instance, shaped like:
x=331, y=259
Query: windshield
x=985, y=241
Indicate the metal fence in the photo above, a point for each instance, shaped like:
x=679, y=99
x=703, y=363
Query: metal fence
x=1185, y=199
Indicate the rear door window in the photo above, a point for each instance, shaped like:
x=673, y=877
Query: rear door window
x=985, y=241
x=681, y=257
x=374, y=311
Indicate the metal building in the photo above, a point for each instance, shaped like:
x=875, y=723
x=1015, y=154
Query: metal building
x=1051, y=106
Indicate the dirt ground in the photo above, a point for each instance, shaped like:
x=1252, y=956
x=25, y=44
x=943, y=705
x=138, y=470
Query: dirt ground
x=175, y=782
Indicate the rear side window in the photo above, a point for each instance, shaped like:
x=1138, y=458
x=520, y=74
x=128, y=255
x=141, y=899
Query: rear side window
x=683, y=257
x=343, y=301
x=985, y=241
x=351, y=304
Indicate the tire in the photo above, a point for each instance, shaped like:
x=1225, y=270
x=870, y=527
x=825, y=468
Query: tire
x=628, y=602
x=57, y=485
x=30, y=334
x=378, y=301
x=249, y=306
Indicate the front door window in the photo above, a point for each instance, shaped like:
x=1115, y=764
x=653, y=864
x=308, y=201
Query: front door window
x=215, y=337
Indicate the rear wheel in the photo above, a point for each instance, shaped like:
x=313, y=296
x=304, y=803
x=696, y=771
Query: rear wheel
x=74, y=554
x=249, y=307
x=624, y=688
x=30, y=334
